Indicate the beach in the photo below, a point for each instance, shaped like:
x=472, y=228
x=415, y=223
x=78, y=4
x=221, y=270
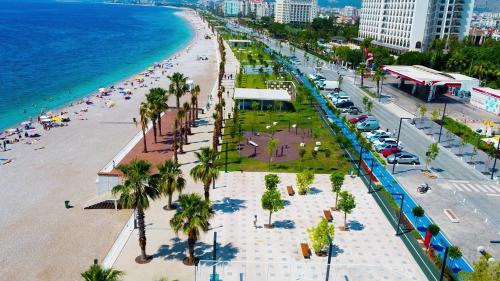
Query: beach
x=40, y=238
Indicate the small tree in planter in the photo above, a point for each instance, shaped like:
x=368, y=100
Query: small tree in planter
x=337, y=180
x=433, y=230
x=271, y=181
x=422, y=110
x=304, y=180
x=346, y=205
x=454, y=252
x=271, y=201
x=418, y=212
x=272, y=144
x=431, y=154
x=319, y=236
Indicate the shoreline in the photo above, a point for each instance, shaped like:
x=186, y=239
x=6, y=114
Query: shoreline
x=41, y=237
x=68, y=105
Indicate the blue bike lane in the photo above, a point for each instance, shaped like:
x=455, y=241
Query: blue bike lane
x=440, y=241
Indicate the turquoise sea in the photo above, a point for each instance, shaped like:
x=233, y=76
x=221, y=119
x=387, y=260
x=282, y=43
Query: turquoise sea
x=54, y=53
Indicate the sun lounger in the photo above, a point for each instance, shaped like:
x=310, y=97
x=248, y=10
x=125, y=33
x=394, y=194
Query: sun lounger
x=290, y=190
x=304, y=247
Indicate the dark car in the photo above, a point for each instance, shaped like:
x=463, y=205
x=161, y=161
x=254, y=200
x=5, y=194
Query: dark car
x=344, y=104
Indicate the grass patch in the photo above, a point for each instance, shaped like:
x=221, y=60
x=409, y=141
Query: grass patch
x=368, y=92
x=257, y=81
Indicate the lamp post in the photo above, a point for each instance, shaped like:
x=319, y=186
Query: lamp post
x=371, y=174
x=400, y=210
x=495, y=162
x=443, y=267
x=214, y=257
x=329, y=257
x=360, y=159
x=442, y=122
x=397, y=141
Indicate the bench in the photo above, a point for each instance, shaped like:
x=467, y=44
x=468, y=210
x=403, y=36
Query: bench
x=304, y=247
x=290, y=190
x=328, y=215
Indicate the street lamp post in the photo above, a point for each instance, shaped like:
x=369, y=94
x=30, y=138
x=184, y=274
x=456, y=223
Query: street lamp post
x=225, y=170
x=371, y=174
x=495, y=162
x=360, y=159
x=443, y=267
x=442, y=122
x=397, y=141
x=400, y=210
x=329, y=257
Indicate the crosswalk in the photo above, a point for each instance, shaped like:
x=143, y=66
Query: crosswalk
x=490, y=188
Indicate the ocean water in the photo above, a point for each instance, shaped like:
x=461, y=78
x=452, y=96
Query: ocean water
x=54, y=53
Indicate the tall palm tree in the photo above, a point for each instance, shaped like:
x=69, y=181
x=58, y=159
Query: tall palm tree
x=97, y=273
x=171, y=180
x=143, y=112
x=151, y=112
x=180, y=87
x=187, y=123
x=180, y=116
x=207, y=169
x=215, y=134
x=196, y=93
x=192, y=113
x=192, y=217
x=361, y=70
x=175, y=128
x=157, y=98
x=137, y=190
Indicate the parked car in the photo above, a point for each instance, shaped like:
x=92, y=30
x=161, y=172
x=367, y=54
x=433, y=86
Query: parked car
x=378, y=139
x=377, y=133
x=384, y=140
x=383, y=146
x=358, y=119
x=403, y=158
x=368, y=125
x=354, y=110
x=344, y=104
x=389, y=151
x=341, y=99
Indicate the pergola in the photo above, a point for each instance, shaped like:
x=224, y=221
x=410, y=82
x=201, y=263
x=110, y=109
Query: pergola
x=425, y=76
x=248, y=95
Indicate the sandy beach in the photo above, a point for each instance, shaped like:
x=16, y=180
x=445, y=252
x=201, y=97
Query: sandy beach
x=40, y=239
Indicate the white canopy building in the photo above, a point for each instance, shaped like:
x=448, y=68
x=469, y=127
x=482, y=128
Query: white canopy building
x=265, y=97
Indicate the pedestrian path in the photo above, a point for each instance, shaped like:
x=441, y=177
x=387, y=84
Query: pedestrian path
x=467, y=186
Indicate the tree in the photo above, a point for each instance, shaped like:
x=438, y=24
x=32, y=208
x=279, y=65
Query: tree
x=304, y=180
x=171, y=180
x=143, y=112
x=436, y=114
x=379, y=77
x=271, y=181
x=302, y=153
x=180, y=116
x=135, y=193
x=192, y=217
x=337, y=180
x=97, y=273
x=346, y=205
x=361, y=70
x=319, y=235
x=207, y=169
x=431, y=154
x=157, y=99
x=187, y=123
x=369, y=106
x=454, y=252
x=433, y=230
x=272, y=144
x=179, y=86
x=175, y=128
x=422, y=109
x=195, y=93
x=418, y=212
x=271, y=201
x=485, y=269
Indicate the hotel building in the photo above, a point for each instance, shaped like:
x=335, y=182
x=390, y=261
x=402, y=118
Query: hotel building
x=411, y=25
x=295, y=11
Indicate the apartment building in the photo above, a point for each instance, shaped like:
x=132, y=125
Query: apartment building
x=295, y=11
x=411, y=25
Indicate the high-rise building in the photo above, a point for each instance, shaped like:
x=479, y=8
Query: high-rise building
x=411, y=25
x=231, y=8
x=295, y=11
x=349, y=11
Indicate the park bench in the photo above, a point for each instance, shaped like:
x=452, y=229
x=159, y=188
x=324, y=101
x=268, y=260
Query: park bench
x=290, y=190
x=328, y=215
x=304, y=247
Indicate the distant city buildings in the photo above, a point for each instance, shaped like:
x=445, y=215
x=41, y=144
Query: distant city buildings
x=295, y=11
x=349, y=11
x=486, y=20
x=411, y=25
x=248, y=8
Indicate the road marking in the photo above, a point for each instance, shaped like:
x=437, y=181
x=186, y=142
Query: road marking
x=460, y=188
x=494, y=195
x=480, y=187
x=490, y=188
x=495, y=187
x=473, y=188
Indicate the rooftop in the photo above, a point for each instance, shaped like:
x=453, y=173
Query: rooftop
x=426, y=76
x=261, y=94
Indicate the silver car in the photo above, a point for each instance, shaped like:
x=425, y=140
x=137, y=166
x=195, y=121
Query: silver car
x=403, y=158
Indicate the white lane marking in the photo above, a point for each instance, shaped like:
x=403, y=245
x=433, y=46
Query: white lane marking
x=489, y=188
x=495, y=195
x=480, y=187
x=458, y=187
x=472, y=188
x=495, y=187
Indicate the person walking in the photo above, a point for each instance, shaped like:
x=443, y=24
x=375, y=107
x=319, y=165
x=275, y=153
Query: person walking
x=255, y=221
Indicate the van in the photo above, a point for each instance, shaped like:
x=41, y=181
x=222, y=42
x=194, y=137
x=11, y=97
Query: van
x=368, y=125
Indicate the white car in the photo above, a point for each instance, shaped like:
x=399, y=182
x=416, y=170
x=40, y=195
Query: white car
x=384, y=141
x=379, y=139
x=377, y=133
x=340, y=99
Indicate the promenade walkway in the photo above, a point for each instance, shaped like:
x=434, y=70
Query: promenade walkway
x=167, y=249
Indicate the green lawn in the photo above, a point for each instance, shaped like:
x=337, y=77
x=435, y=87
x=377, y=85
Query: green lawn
x=258, y=81
x=303, y=115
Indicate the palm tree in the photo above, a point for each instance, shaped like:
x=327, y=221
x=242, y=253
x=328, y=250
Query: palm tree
x=187, y=110
x=192, y=217
x=215, y=134
x=179, y=87
x=97, y=273
x=196, y=93
x=207, y=169
x=361, y=71
x=171, y=180
x=143, y=112
x=192, y=112
x=175, y=128
x=136, y=192
x=157, y=99
x=151, y=113
x=180, y=116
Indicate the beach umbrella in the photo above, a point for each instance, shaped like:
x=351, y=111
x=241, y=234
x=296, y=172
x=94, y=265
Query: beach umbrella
x=25, y=123
x=150, y=69
x=128, y=91
x=57, y=118
x=102, y=90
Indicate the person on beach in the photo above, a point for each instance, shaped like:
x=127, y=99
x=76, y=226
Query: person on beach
x=4, y=143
